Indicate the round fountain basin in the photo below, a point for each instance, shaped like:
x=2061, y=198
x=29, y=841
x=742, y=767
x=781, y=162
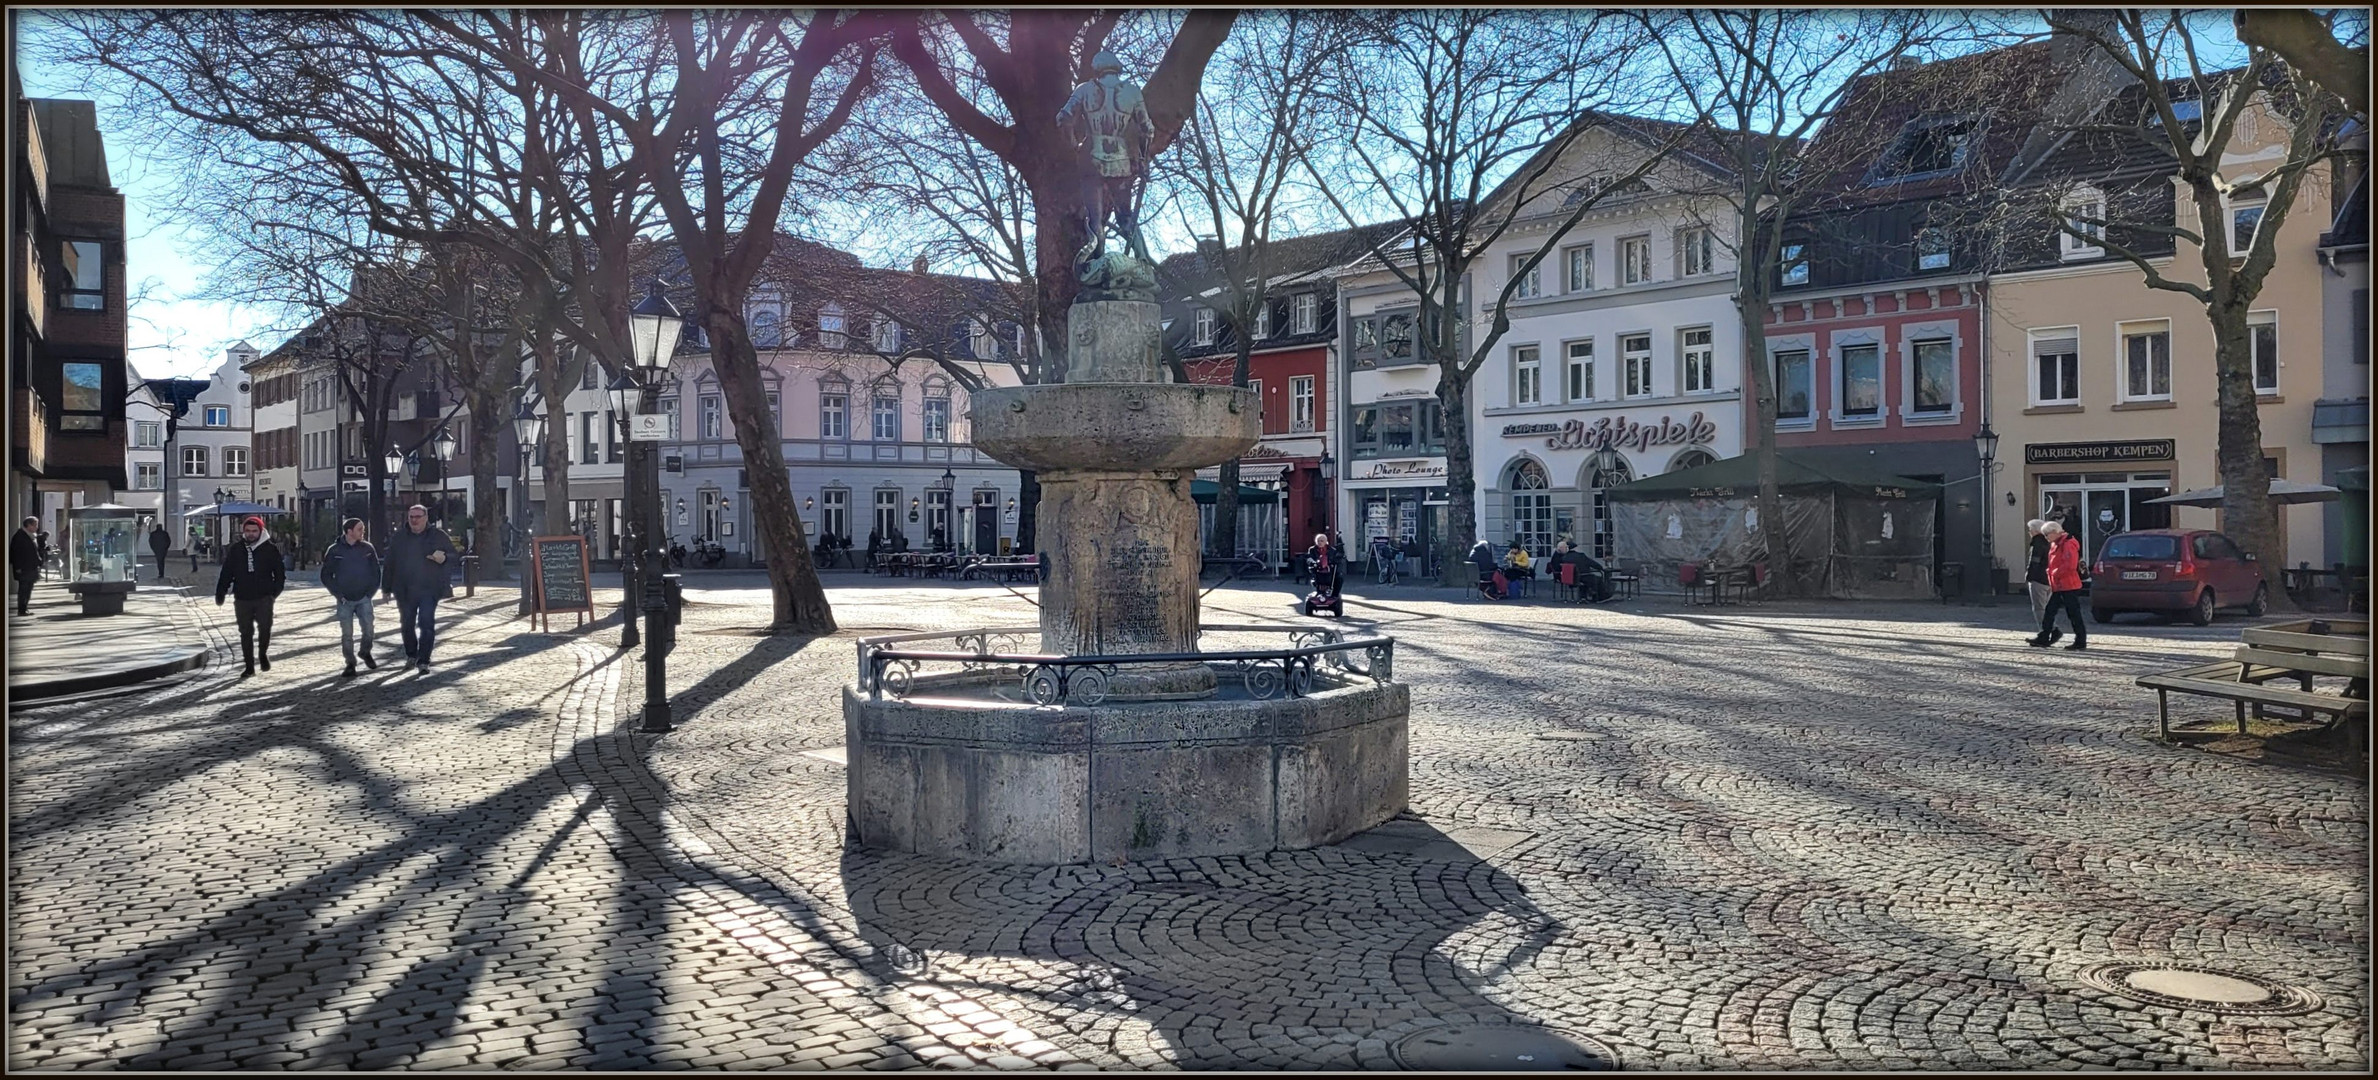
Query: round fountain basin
x=1115, y=427
x=961, y=768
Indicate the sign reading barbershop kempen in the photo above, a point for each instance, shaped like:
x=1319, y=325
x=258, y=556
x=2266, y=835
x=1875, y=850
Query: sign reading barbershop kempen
x=1617, y=432
x=2082, y=453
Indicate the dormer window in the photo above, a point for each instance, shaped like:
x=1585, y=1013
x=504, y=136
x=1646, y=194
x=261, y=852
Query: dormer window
x=1263, y=319
x=2084, y=213
x=982, y=341
x=831, y=326
x=1308, y=309
x=1926, y=148
x=1204, y=333
x=1932, y=249
x=887, y=336
x=2245, y=222
x=766, y=331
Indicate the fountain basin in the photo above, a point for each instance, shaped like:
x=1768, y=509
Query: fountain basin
x=951, y=770
x=1115, y=427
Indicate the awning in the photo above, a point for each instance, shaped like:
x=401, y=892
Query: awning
x=2283, y=492
x=1204, y=491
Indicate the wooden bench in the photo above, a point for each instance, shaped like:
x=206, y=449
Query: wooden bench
x=2243, y=684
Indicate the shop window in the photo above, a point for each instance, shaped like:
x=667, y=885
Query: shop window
x=1699, y=361
x=1862, y=381
x=1935, y=382
x=2262, y=333
x=1579, y=262
x=1581, y=370
x=1527, y=376
x=1794, y=385
x=2055, y=367
x=2147, y=362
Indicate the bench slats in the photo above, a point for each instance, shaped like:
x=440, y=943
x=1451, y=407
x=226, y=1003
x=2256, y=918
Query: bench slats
x=2334, y=644
x=2318, y=665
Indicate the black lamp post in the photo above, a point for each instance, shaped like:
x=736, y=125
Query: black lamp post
x=529, y=429
x=1329, y=472
x=395, y=463
x=444, y=444
x=1985, y=445
x=653, y=327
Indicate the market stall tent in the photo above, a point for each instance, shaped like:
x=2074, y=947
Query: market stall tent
x=1854, y=533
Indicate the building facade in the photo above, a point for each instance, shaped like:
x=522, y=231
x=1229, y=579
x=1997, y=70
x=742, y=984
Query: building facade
x=273, y=380
x=1391, y=466
x=2341, y=418
x=213, y=447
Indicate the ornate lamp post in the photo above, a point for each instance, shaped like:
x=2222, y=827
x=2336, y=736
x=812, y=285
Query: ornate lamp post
x=529, y=428
x=1329, y=508
x=395, y=461
x=1985, y=445
x=652, y=334
x=444, y=444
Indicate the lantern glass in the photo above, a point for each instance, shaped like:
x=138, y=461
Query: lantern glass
x=623, y=394
x=445, y=445
x=1985, y=443
x=652, y=330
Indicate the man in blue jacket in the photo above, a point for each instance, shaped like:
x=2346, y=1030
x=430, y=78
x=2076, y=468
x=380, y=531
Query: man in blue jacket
x=351, y=571
x=418, y=574
x=253, y=574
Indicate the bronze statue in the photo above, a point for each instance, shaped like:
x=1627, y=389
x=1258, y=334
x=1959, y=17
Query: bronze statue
x=1108, y=119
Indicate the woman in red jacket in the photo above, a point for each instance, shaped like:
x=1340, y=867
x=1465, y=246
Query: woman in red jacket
x=2064, y=578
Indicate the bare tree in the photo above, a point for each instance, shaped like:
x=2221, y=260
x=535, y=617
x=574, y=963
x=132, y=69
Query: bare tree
x=1239, y=153
x=2194, y=121
x=2310, y=43
x=1461, y=122
x=1767, y=81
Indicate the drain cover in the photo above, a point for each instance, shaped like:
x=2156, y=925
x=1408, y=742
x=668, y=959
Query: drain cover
x=1503, y=1047
x=2186, y=986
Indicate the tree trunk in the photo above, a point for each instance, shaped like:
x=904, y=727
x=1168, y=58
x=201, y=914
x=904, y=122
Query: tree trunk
x=2247, y=514
x=800, y=600
x=488, y=429
x=1224, y=541
x=1461, y=489
x=1781, y=564
x=1060, y=229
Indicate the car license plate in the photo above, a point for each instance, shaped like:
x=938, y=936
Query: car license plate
x=2138, y=575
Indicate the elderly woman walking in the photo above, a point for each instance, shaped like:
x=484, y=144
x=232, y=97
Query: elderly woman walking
x=2035, y=574
x=2064, y=577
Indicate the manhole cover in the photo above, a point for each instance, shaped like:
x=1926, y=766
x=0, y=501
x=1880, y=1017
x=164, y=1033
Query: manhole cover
x=1505, y=1047
x=2186, y=986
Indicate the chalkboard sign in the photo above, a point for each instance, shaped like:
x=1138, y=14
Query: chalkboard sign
x=560, y=570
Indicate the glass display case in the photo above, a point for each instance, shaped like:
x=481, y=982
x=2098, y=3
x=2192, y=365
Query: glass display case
x=102, y=555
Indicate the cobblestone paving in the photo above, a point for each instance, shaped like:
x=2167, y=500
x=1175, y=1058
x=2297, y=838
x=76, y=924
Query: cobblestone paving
x=1770, y=837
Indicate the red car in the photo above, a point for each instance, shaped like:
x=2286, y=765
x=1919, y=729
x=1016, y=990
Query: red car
x=2175, y=572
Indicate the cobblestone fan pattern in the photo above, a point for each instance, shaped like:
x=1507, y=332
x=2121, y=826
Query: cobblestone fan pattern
x=1775, y=838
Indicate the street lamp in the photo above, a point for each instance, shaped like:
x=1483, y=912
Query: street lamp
x=653, y=327
x=444, y=444
x=1985, y=445
x=1329, y=472
x=529, y=429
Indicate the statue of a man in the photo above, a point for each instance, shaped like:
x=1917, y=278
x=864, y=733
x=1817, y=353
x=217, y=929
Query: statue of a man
x=1108, y=119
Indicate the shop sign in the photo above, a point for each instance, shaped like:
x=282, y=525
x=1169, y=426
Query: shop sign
x=1617, y=432
x=1386, y=470
x=2087, y=452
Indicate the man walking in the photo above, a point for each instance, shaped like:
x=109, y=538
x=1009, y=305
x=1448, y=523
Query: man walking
x=253, y=574
x=418, y=574
x=351, y=571
x=2064, y=580
x=160, y=542
x=2035, y=574
x=24, y=562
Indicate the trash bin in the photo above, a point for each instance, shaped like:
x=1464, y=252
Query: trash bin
x=1952, y=580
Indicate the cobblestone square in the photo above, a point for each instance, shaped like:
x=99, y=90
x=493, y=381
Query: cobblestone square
x=1773, y=836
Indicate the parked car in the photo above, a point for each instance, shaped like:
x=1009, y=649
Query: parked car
x=2175, y=572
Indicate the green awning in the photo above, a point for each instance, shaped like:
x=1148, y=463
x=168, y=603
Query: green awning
x=1205, y=490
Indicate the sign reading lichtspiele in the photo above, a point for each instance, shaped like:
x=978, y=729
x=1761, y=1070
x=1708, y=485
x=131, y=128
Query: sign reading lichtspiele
x=1617, y=432
x=2082, y=453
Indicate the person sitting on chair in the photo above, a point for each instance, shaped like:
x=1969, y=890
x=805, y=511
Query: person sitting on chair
x=1516, y=562
x=1482, y=556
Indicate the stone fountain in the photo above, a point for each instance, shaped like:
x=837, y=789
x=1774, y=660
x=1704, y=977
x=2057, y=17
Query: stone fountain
x=1092, y=755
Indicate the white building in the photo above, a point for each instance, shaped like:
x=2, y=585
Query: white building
x=145, y=414
x=1391, y=464
x=1623, y=358
x=211, y=445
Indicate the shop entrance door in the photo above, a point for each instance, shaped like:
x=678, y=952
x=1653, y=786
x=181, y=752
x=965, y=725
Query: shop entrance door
x=2097, y=506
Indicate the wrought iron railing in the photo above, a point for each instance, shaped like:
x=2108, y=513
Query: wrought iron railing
x=891, y=664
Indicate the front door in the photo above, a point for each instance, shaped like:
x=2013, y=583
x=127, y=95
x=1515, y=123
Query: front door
x=986, y=521
x=2104, y=514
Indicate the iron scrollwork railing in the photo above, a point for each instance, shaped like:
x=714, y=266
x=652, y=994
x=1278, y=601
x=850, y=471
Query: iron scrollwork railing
x=890, y=665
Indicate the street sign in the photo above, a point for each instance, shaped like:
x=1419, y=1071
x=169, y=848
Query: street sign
x=648, y=427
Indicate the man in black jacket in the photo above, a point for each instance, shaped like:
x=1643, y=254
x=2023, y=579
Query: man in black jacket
x=24, y=562
x=160, y=542
x=253, y=574
x=351, y=571
x=419, y=574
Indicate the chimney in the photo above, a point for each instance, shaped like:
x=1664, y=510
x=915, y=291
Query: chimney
x=917, y=267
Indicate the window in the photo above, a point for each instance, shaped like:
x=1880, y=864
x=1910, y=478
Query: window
x=887, y=336
x=1255, y=386
x=1263, y=319
x=886, y=415
x=216, y=415
x=1527, y=377
x=1862, y=381
x=147, y=476
x=1700, y=362
x=1395, y=336
x=833, y=414
x=1691, y=459
x=835, y=518
x=1531, y=506
x=1634, y=260
x=937, y=517
x=1932, y=249
x=1794, y=385
x=831, y=327
x=1204, y=332
x=1695, y=251
x=1308, y=314
x=1530, y=278
x=2245, y=222
x=1634, y=356
x=775, y=413
x=235, y=461
x=2262, y=332
x=887, y=512
x=1795, y=264
x=937, y=419
x=2084, y=212
x=83, y=403
x=1935, y=373
x=713, y=423
x=589, y=448
x=611, y=448
x=586, y=376
x=2147, y=362
x=193, y=461
x=86, y=276
x=1578, y=262
x=1581, y=370
x=1300, y=402
x=767, y=330
x=1925, y=147
x=668, y=407
x=2056, y=367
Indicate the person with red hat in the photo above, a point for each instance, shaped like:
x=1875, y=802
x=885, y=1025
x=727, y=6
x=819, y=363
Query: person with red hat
x=252, y=574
